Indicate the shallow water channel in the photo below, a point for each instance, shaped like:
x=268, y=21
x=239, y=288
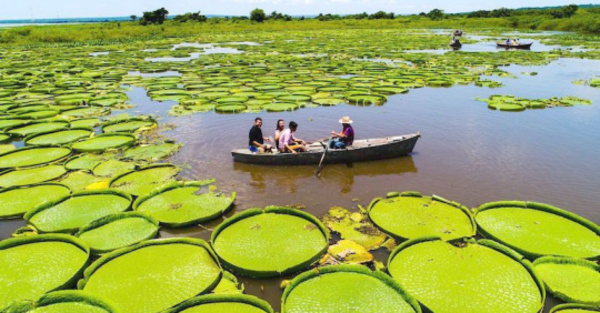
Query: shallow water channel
x=467, y=153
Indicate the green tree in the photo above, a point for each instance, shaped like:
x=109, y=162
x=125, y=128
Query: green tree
x=154, y=17
x=133, y=17
x=258, y=15
x=436, y=14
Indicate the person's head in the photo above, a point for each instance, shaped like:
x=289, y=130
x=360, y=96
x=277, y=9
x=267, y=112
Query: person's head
x=280, y=125
x=258, y=122
x=293, y=126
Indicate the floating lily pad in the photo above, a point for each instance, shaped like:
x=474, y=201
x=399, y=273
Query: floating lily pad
x=367, y=99
x=144, y=180
x=570, y=279
x=166, y=272
x=537, y=229
x=58, y=138
x=32, y=266
x=223, y=303
x=280, y=107
x=36, y=128
x=117, y=231
x=80, y=180
x=104, y=142
x=32, y=156
x=67, y=301
x=31, y=176
x=11, y=123
x=111, y=167
x=85, y=123
x=346, y=288
x=130, y=125
x=151, y=152
x=6, y=148
x=574, y=308
x=270, y=242
x=181, y=204
x=86, y=161
x=86, y=112
x=72, y=212
x=410, y=215
x=228, y=285
x=16, y=201
x=354, y=226
x=468, y=277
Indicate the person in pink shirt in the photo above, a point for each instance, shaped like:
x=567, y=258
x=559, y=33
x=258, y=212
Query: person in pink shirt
x=289, y=143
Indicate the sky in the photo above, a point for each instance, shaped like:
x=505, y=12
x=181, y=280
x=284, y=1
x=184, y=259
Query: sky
x=37, y=9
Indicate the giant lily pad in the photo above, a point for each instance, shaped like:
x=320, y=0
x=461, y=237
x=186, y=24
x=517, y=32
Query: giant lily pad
x=346, y=288
x=67, y=301
x=32, y=266
x=222, y=304
x=36, y=128
x=112, y=167
x=151, y=152
x=468, y=277
x=270, y=242
x=574, y=308
x=104, y=142
x=129, y=125
x=32, y=156
x=409, y=215
x=570, y=279
x=18, y=200
x=180, y=204
x=166, y=272
x=57, y=138
x=537, y=229
x=144, y=180
x=31, y=176
x=117, y=231
x=354, y=226
x=70, y=213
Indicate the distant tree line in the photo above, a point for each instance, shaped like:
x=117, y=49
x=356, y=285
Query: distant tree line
x=258, y=15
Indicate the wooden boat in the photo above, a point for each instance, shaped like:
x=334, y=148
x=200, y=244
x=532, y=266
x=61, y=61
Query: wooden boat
x=361, y=150
x=519, y=46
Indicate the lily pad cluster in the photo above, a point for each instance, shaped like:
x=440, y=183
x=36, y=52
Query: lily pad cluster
x=512, y=103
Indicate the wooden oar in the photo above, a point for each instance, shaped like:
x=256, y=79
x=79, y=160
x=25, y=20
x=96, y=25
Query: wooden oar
x=323, y=158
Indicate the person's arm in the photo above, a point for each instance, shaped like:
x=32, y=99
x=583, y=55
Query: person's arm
x=257, y=144
x=337, y=135
x=287, y=147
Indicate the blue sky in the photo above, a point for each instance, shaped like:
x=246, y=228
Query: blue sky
x=27, y=9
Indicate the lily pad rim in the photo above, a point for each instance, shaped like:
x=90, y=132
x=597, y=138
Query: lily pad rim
x=11, y=188
x=156, y=165
x=349, y=268
x=132, y=119
x=115, y=134
x=32, y=136
x=62, y=296
x=574, y=306
x=222, y=298
x=25, y=148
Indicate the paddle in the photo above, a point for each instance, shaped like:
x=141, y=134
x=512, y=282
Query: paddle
x=323, y=158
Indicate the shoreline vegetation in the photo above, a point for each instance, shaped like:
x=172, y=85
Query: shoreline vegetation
x=584, y=20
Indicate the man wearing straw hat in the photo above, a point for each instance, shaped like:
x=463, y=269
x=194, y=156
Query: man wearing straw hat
x=345, y=138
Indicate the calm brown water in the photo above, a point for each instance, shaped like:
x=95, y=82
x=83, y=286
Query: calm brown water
x=467, y=153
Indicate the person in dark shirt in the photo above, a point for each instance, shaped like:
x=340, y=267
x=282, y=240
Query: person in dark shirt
x=345, y=138
x=256, y=142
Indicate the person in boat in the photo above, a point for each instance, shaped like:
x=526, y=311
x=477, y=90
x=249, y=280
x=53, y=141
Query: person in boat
x=345, y=138
x=256, y=141
x=289, y=143
x=278, y=130
x=514, y=42
x=508, y=41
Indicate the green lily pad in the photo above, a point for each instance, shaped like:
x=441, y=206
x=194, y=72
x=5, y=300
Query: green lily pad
x=144, y=180
x=151, y=152
x=270, y=242
x=537, y=229
x=86, y=112
x=467, y=277
x=223, y=303
x=280, y=107
x=410, y=215
x=32, y=266
x=130, y=125
x=570, y=279
x=574, y=308
x=6, y=148
x=230, y=108
x=366, y=99
x=31, y=176
x=86, y=161
x=328, y=101
x=32, y=156
x=66, y=301
x=104, y=142
x=181, y=204
x=354, y=226
x=111, y=167
x=36, y=128
x=80, y=180
x=72, y=212
x=228, y=285
x=117, y=231
x=16, y=201
x=346, y=288
x=85, y=123
x=11, y=123
x=166, y=272
x=58, y=138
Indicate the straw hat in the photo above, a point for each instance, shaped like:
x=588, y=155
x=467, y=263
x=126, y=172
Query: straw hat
x=345, y=120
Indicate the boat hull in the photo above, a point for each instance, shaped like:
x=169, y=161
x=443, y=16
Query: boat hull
x=521, y=46
x=362, y=150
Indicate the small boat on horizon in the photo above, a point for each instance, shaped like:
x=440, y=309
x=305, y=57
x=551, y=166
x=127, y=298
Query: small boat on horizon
x=517, y=46
x=361, y=150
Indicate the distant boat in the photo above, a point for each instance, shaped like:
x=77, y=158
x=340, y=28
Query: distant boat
x=361, y=150
x=518, y=46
